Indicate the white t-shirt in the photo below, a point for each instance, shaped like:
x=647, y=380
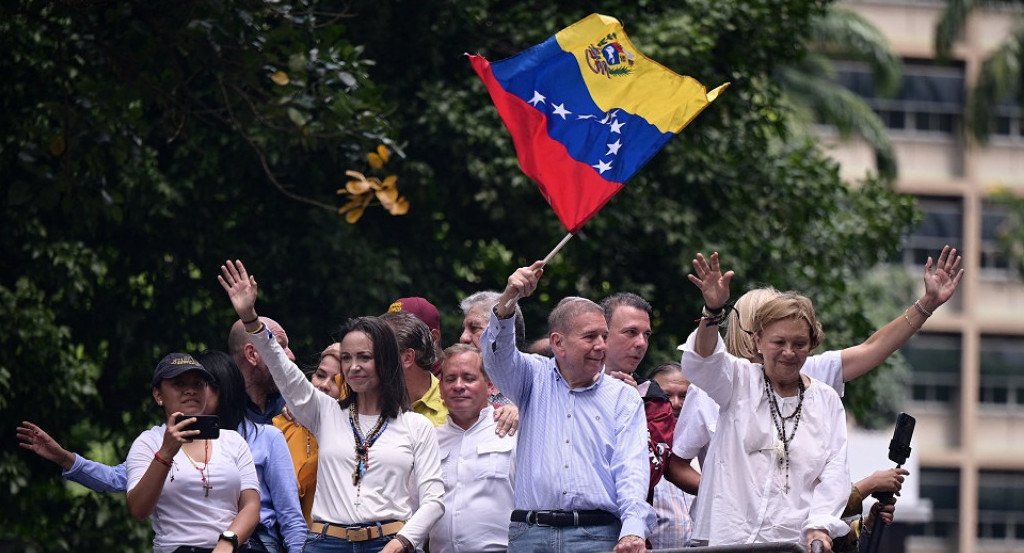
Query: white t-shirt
x=184, y=515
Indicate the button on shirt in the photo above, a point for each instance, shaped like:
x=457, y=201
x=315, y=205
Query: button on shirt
x=478, y=469
x=583, y=448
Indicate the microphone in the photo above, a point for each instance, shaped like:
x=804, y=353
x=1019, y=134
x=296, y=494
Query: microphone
x=899, y=450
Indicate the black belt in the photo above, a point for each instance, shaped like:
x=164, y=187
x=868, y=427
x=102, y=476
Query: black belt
x=565, y=518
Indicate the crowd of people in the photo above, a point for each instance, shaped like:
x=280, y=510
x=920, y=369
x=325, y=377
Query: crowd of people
x=396, y=445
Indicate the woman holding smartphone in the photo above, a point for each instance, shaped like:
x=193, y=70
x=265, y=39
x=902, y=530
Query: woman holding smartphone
x=377, y=458
x=201, y=495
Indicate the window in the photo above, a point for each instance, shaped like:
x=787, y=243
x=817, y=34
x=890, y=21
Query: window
x=942, y=224
x=935, y=367
x=1006, y=120
x=942, y=487
x=1001, y=505
x=930, y=99
x=1002, y=382
x=993, y=252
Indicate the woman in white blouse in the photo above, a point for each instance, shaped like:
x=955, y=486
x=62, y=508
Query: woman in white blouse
x=776, y=470
x=379, y=484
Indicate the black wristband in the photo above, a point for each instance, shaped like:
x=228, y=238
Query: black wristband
x=252, y=321
x=714, y=312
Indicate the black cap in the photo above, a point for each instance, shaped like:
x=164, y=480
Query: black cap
x=174, y=364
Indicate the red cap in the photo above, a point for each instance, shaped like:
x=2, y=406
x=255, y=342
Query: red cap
x=423, y=309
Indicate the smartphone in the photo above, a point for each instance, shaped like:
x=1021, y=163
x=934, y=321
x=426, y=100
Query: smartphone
x=207, y=425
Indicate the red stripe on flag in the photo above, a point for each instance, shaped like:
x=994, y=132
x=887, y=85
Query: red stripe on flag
x=575, y=190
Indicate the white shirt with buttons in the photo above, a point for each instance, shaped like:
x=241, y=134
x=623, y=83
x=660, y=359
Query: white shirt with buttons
x=478, y=469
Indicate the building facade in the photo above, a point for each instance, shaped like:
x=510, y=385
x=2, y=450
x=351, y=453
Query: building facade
x=967, y=388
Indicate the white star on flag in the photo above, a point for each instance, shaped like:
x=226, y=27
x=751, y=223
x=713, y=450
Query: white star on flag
x=617, y=127
x=538, y=98
x=561, y=111
x=602, y=166
x=613, y=148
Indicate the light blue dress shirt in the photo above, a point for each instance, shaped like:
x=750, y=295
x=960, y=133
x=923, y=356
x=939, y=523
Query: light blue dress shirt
x=583, y=448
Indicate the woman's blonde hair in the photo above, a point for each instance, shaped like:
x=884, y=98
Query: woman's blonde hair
x=789, y=305
x=738, y=333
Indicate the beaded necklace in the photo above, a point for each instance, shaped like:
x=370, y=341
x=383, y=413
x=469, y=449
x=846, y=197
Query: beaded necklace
x=363, y=445
x=206, y=464
x=780, y=421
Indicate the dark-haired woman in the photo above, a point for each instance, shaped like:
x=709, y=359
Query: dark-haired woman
x=377, y=458
x=281, y=521
x=226, y=398
x=200, y=494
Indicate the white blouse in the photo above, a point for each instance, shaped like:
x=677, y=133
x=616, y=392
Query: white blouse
x=403, y=477
x=742, y=493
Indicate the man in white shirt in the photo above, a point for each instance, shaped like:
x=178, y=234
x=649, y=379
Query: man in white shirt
x=477, y=465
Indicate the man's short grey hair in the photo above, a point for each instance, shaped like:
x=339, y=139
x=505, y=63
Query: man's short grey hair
x=489, y=298
x=564, y=314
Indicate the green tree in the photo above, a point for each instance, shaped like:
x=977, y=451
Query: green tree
x=1000, y=77
x=144, y=143
x=810, y=83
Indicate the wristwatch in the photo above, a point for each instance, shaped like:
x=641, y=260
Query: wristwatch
x=228, y=535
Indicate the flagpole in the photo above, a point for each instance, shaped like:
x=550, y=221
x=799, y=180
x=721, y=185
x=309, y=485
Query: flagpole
x=545, y=261
x=558, y=247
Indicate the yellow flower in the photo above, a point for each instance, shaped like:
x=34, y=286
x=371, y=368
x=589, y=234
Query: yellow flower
x=362, y=190
x=400, y=207
x=355, y=187
x=354, y=209
x=379, y=158
x=280, y=78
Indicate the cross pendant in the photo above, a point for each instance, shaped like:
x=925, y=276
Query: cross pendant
x=206, y=488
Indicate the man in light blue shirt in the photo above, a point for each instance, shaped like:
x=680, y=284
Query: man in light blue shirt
x=582, y=468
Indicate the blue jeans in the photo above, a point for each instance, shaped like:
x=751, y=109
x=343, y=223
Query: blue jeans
x=322, y=543
x=269, y=542
x=527, y=538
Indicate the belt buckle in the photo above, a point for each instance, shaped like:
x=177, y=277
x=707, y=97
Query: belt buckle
x=357, y=530
x=536, y=517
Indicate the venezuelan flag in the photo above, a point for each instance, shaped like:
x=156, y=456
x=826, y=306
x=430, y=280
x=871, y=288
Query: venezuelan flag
x=587, y=110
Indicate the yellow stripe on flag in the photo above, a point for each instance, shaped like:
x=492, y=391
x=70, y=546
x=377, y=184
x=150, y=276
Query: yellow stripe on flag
x=636, y=84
